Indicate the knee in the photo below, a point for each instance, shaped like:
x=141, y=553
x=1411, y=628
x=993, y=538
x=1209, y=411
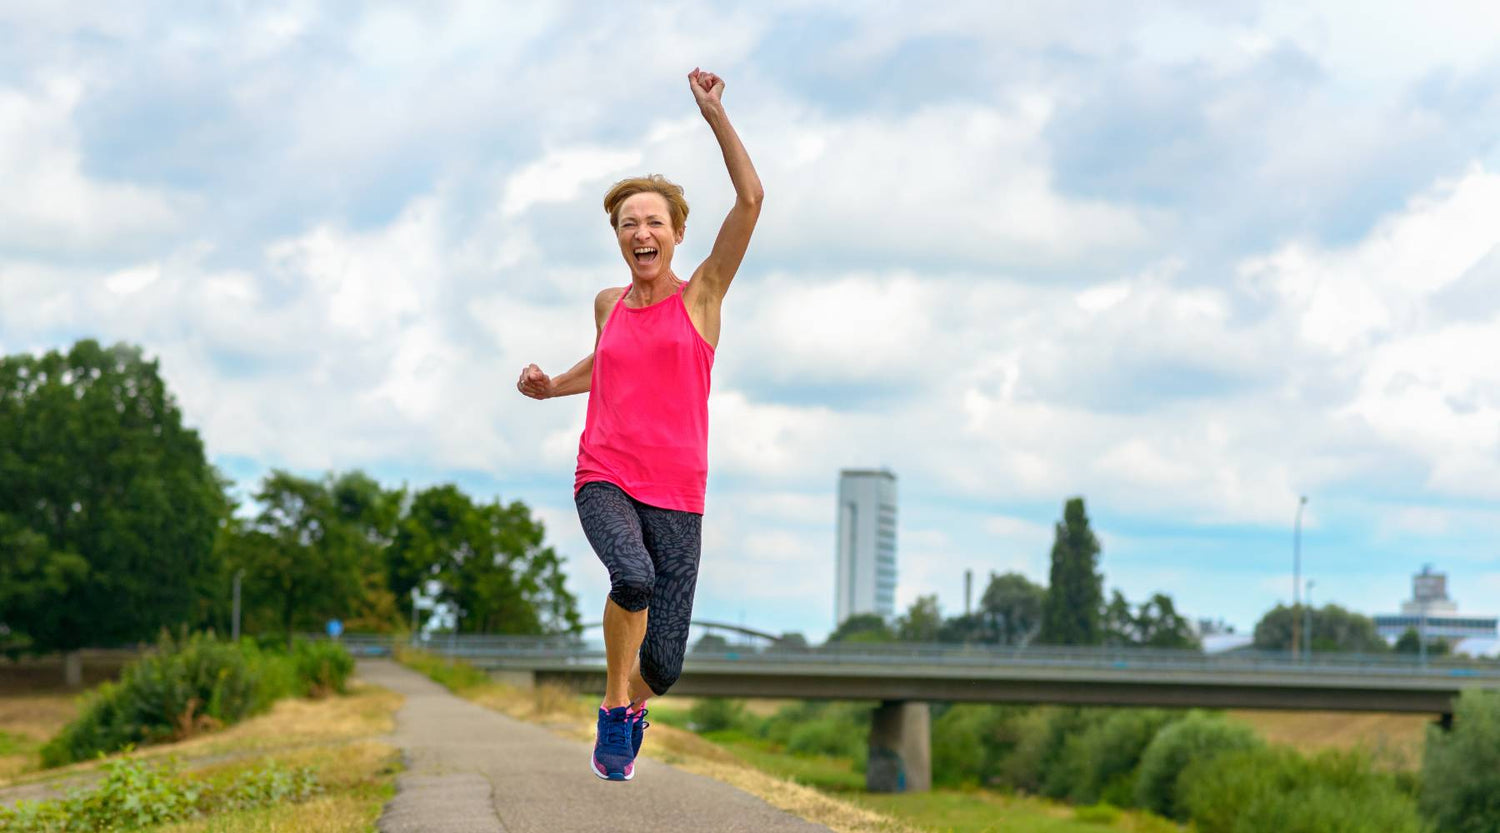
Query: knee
x=660, y=675
x=632, y=590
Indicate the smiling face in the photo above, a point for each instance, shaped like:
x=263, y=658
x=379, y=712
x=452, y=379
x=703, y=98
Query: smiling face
x=647, y=240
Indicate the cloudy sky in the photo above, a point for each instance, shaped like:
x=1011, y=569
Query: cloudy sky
x=1189, y=261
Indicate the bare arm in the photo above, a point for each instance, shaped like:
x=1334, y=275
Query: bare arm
x=723, y=262
x=538, y=385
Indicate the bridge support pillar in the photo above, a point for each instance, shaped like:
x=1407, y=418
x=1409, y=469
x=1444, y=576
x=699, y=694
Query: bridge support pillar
x=900, y=748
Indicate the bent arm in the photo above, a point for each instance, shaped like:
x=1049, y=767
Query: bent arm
x=575, y=379
x=734, y=236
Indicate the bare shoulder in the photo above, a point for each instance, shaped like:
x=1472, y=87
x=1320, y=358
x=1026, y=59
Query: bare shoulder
x=605, y=301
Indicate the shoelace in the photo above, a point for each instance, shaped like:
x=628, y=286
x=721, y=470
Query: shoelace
x=617, y=733
x=641, y=716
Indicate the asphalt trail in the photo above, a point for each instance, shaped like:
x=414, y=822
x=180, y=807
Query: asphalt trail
x=472, y=770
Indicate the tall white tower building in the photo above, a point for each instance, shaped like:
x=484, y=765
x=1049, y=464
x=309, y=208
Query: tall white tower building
x=866, y=577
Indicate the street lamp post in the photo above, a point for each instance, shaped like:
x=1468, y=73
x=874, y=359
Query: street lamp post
x=1307, y=621
x=1297, y=572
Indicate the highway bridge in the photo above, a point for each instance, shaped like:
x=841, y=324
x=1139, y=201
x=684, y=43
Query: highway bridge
x=905, y=677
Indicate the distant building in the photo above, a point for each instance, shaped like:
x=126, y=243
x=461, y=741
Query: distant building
x=1430, y=612
x=865, y=581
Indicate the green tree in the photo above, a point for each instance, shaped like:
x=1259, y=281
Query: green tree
x=1155, y=623
x=921, y=622
x=1012, y=605
x=791, y=642
x=374, y=513
x=711, y=643
x=108, y=507
x=487, y=562
x=302, y=559
x=1461, y=767
x=863, y=627
x=1334, y=629
x=1411, y=643
x=1075, y=594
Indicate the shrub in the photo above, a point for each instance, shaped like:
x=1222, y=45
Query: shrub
x=188, y=685
x=323, y=668
x=1041, y=736
x=455, y=675
x=1099, y=763
x=829, y=736
x=970, y=742
x=176, y=690
x=135, y=794
x=1277, y=790
x=716, y=714
x=1196, y=738
x=1461, y=767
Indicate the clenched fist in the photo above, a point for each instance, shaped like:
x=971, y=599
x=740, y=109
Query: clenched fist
x=708, y=89
x=534, y=383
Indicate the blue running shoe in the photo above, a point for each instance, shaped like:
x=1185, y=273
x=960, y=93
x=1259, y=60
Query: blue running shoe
x=638, y=726
x=613, y=759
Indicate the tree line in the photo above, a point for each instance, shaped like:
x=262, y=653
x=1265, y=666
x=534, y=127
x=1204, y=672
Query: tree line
x=1014, y=610
x=113, y=525
x=1072, y=610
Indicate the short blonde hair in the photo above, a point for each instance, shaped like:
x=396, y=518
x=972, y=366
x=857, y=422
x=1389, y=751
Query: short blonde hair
x=655, y=184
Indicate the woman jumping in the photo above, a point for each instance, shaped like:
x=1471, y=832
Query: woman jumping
x=643, y=456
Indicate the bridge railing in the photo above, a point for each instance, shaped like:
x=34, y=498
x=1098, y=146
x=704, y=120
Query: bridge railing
x=572, y=650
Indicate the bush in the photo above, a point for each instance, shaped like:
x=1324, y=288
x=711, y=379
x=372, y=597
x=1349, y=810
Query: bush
x=818, y=728
x=455, y=675
x=176, y=690
x=323, y=668
x=1271, y=790
x=971, y=742
x=1461, y=767
x=1041, y=735
x=1099, y=763
x=716, y=714
x=134, y=794
x=1196, y=738
x=190, y=685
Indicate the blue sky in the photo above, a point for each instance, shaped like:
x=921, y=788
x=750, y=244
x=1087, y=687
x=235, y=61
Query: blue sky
x=1187, y=262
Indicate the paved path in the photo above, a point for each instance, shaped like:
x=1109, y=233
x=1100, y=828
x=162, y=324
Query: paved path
x=473, y=770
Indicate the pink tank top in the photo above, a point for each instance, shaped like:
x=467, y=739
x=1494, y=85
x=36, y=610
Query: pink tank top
x=647, y=424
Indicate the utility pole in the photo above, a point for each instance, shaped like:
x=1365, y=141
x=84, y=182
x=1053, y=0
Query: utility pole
x=1297, y=573
x=968, y=592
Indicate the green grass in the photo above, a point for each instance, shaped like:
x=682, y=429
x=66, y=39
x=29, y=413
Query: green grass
x=939, y=811
x=979, y=811
x=12, y=745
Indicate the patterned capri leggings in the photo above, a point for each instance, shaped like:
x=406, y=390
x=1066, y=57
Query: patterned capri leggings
x=652, y=558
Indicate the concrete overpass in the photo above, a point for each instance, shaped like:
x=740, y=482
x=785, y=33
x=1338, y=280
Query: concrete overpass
x=904, y=678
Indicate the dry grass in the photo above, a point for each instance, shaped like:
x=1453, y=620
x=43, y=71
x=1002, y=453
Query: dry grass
x=342, y=738
x=26, y=722
x=570, y=715
x=1393, y=740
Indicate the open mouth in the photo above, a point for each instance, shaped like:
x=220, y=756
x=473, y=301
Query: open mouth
x=645, y=255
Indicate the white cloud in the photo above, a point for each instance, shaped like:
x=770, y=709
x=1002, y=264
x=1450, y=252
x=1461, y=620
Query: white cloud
x=48, y=203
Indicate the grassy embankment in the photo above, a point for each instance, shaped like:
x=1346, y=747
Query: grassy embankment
x=821, y=789
x=338, y=738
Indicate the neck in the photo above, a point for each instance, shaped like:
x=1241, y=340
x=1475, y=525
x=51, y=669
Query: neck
x=647, y=291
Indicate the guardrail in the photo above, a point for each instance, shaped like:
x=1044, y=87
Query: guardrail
x=574, y=651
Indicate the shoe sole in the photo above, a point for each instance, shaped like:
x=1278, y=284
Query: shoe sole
x=594, y=768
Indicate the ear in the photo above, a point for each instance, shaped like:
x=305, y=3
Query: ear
x=680, y=232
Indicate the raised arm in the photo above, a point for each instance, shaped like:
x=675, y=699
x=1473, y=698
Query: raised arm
x=577, y=379
x=718, y=270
